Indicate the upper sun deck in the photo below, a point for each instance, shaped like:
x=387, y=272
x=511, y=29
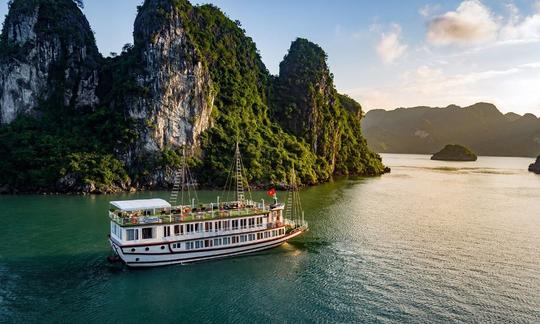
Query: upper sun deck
x=158, y=211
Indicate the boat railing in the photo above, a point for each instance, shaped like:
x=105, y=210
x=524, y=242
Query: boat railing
x=179, y=214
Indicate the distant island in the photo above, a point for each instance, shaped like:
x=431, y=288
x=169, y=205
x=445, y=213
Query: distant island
x=424, y=130
x=535, y=167
x=454, y=152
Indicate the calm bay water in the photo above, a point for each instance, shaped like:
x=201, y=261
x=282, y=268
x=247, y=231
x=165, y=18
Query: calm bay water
x=432, y=241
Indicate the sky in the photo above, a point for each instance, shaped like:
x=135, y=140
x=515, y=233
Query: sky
x=386, y=54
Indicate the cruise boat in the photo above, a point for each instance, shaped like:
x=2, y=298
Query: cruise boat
x=156, y=232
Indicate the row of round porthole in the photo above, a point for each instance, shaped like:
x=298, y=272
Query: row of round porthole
x=147, y=248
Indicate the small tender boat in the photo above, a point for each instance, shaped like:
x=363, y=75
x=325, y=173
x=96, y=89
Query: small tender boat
x=154, y=232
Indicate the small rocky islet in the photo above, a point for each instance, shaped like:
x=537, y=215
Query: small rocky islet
x=455, y=152
x=535, y=167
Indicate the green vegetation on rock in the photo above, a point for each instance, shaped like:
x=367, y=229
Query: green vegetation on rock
x=296, y=119
x=454, y=152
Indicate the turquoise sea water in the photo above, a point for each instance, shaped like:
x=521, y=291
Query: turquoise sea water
x=430, y=242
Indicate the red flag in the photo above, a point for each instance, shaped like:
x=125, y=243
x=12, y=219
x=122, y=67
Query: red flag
x=271, y=192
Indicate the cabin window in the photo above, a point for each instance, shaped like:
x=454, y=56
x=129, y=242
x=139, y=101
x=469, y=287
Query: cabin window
x=189, y=228
x=226, y=240
x=259, y=236
x=208, y=227
x=217, y=242
x=207, y=243
x=217, y=226
x=132, y=234
x=147, y=233
x=176, y=229
x=243, y=223
x=234, y=239
x=251, y=222
x=166, y=231
x=226, y=225
x=243, y=238
x=235, y=224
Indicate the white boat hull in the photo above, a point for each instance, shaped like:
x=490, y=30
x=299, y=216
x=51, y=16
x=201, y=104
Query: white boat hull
x=181, y=257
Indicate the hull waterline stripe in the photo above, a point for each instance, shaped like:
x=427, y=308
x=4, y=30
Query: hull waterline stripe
x=216, y=256
x=220, y=255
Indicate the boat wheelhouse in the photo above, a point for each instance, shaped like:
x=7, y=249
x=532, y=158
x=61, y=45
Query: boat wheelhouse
x=153, y=232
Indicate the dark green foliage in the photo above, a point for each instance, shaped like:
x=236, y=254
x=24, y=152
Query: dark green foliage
x=296, y=120
x=307, y=104
x=37, y=153
x=103, y=171
x=241, y=83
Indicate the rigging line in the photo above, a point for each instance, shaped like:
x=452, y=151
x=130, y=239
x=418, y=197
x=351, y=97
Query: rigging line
x=228, y=184
x=183, y=174
x=245, y=178
x=193, y=182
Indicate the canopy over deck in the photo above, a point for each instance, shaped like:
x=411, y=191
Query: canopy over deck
x=140, y=204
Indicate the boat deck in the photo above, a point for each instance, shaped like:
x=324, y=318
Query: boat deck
x=175, y=215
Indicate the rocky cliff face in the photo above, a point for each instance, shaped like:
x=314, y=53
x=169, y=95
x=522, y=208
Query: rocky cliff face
x=192, y=76
x=306, y=94
x=47, y=53
x=178, y=102
x=306, y=103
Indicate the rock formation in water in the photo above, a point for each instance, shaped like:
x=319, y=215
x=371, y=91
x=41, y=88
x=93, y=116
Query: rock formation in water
x=535, y=167
x=47, y=53
x=307, y=104
x=454, y=152
x=75, y=121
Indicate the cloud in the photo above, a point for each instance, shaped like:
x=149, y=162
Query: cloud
x=471, y=23
x=429, y=9
x=390, y=47
x=521, y=28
